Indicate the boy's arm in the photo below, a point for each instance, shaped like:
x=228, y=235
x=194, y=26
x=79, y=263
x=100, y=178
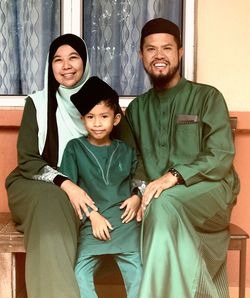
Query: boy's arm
x=77, y=196
x=138, y=183
x=132, y=204
x=68, y=165
x=124, y=132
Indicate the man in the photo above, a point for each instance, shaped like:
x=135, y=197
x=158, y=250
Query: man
x=183, y=133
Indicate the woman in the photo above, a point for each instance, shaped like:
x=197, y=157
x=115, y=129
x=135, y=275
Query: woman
x=42, y=201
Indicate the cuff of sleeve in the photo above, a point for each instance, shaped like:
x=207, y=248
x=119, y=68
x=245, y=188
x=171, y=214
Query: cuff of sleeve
x=59, y=179
x=136, y=191
x=189, y=174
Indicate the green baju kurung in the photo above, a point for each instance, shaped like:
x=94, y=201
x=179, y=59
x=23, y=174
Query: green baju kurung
x=44, y=213
x=185, y=231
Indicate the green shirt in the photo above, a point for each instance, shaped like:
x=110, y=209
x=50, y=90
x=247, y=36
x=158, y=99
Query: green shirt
x=186, y=127
x=105, y=173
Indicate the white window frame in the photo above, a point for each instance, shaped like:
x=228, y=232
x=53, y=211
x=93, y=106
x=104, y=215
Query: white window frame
x=71, y=22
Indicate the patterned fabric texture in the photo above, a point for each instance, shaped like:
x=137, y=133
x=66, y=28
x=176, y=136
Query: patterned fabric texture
x=26, y=30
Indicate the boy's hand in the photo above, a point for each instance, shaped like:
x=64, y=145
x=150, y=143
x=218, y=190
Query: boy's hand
x=100, y=226
x=132, y=205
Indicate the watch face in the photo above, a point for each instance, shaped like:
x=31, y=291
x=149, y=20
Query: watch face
x=177, y=175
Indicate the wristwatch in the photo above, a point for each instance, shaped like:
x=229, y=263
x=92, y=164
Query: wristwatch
x=175, y=173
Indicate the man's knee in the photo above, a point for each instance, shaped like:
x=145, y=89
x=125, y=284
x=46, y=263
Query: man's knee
x=163, y=212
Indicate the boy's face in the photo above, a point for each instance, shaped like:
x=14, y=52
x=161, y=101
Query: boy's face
x=99, y=123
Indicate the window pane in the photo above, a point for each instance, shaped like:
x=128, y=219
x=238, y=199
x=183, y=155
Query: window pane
x=27, y=28
x=112, y=33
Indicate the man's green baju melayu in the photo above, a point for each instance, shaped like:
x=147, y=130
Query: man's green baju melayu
x=185, y=231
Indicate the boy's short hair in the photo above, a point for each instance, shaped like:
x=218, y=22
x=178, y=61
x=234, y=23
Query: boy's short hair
x=92, y=92
x=112, y=105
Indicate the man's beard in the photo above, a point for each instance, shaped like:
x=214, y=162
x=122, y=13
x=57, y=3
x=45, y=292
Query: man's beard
x=161, y=81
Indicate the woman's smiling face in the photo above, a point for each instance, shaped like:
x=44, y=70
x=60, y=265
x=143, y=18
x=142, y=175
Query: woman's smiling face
x=67, y=66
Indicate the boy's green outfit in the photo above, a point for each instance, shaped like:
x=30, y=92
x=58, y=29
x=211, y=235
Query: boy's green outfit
x=105, y=173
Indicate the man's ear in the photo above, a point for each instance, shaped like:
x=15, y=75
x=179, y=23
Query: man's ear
x=140, y=55
x=181, y=53
x=117, y=119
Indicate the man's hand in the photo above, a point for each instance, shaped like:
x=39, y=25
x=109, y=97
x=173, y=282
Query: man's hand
x=78, y=198
x=155, y=188
x=131, y=206
x=100, y=226
x=139, y=214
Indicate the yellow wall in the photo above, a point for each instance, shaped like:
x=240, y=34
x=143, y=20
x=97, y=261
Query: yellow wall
x=223, y=49
x=223, y=60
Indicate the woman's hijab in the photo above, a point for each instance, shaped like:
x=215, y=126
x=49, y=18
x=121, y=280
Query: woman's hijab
x=58, y=119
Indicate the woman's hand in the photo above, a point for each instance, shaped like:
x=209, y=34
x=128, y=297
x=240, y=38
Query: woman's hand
x=100, y=226
x=78, y=198
x=131, y=206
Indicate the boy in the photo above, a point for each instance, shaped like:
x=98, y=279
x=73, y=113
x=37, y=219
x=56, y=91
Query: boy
x=103, y=168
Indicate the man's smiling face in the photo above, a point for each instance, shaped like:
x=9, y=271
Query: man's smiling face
x=161, y=58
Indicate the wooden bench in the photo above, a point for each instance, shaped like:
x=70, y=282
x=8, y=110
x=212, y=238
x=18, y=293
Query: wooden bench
x=238, y=241
x=12, y=243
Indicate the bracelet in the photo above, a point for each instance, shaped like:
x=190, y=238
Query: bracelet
x=175, y=173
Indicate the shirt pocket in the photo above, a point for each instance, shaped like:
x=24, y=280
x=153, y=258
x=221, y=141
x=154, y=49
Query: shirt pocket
x=186, y=137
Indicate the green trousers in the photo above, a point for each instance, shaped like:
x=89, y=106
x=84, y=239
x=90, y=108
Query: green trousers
x=184, y=242
x=128, y=263
x=43, y=212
